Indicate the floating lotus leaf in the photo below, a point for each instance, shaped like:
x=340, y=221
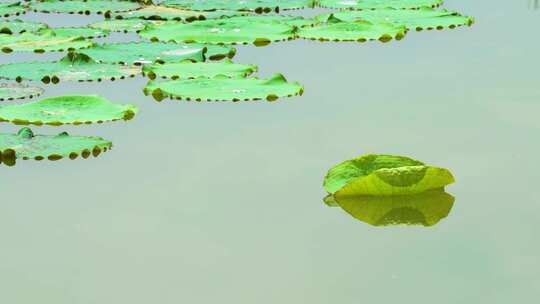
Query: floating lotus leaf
x=11, y=91
x=159, y=12
x=83, y=6
x=425, y=209
x=188, y=69
x=235, y=30
x=222, y=89
x=258, y=6
x=18, y=26
x=11, y=9
x=377, y=4
x=85, y=32
x=384, y=175
x=26, y=145
x=44, y=41
x=124, y=25
x=144, y=52
x=361, y=30
x=66, y=110
x=423, y=18
x=73, y=67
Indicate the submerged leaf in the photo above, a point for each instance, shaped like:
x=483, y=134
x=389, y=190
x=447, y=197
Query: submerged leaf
x=188, y=69
x=377, y=4
x=258, y=6
x=338, y=30
x=26, y=145
x=384, y=175
x=67, y=110
x=160, y=12
x=425, y=209
x=11, y=9
x=124, y=25
x=73, y=67
x=18, y=91
x=222, y=89
x=18, y=26
x=43, y=41
x=83, y=6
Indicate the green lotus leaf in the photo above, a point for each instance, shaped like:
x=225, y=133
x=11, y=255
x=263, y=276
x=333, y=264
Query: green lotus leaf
x=12, y=91
x=66, y=110
x=258, y=6
x=44, y=41
x=84, y=32
x=83, y=6
x=159, y=12
x=423, y=18
x=73, y=67
x=361, y=30
x=222, y=89
x=18, y=26
x=11, y=9
x=144, y=52
x=188, y=69
x=26, y=145
x=377, y=4
x=124, y=25
x=235, y=30
x=425, y=209
x=384, y=175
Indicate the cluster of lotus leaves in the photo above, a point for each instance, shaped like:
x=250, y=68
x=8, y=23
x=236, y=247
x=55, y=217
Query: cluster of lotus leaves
x=224, y=89
x=384, y=175
x=145, y=52
x=73, y=67
x=260, y=30
x=11, y=9
x=26, y=145
x=12, y=91
x=61, y=110
x=160, y=12
x=43, y=41
x=188, y=69
x=361, y=30
x=258, y=6
x=424, y=209
x=83, y=6
x=419, y=19
x=378, y=4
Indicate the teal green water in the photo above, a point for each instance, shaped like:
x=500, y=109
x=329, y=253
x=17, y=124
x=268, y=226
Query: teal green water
x=222, y=202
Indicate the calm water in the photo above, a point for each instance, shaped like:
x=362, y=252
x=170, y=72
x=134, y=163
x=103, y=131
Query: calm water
x=222, y=202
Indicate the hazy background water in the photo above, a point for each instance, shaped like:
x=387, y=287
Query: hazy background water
x=221, y=202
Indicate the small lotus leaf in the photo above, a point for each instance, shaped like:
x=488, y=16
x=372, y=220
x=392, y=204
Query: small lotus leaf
x=159, y=12
x=124, y=25
x=26, y=145
x=423, y=18
x=425, y=209
x=18, y=26
x=44, y=41
x=66, y=110
x=258, y=6
x=144, y=52
x=83, y=6
x=360, y=30
x=377, y=4
x=73, y=67
x=235, y=30
x=11, y=9
x=384, y=175
x=11, y=91
x=222, y=89
x=188, y=69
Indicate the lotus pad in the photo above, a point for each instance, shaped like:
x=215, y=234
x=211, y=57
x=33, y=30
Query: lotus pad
x=424, y=18
x=66, y=110
x=425, y=209
x=18, y=91
x=26, y=145
x=124, y=25
x=377, y=4
x=73, y=67
x=159, y=12
x=83, y=6
x=11, y=9
x=384, y=175
x=188, y=69
x=18, y=26
x=81, y=32
x=42, y=42
x=258, y=6
x=236, y=30
x=224, y=89
x=353, y=31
